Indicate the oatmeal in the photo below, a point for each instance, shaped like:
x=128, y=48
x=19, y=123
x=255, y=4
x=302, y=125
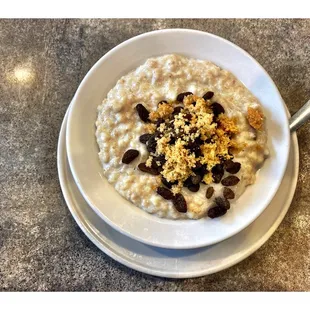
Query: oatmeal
x=181, y=138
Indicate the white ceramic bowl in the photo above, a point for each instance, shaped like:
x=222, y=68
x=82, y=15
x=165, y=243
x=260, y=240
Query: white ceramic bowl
x=83, y=149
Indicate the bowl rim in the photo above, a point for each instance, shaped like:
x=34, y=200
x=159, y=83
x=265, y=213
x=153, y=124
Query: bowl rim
x=95, y=67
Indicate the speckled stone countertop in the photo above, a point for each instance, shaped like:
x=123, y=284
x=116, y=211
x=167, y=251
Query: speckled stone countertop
x=42, y=63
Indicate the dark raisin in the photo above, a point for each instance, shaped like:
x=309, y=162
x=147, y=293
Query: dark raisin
x=188, y=116
x=180, y=203
x=160, y=160
x=129, y=156
x=163, y=101
x=217, y=108
x=198, y=153
x=228, y=193
x=193, y=146
x=177, y=110
x=209, y=192
x=144, y=138
x=199, y=141
x=193, y=130
x=172, y=140
x=194, y=187
x=151, y=145
x=216, y=212
x=188, y=182
x=202, y=171
x=222, y=202
x=232, y=167
x=159, y=121
x=143, y=112
x=196, y=179
x=149, y=170
x=208, y=95
x=230, y=181
x=217, y=173
x=158, y=134
x=181, y=96
x=168, y=184
x=197, y=167
x=165, y=193
x=155, y=166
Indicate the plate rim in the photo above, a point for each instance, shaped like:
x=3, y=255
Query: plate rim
x=85, y=226
x=128, y=232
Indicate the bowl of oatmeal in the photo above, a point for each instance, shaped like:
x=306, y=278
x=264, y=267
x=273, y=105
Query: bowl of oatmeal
x=180, y=145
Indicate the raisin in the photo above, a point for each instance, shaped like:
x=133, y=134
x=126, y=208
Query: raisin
x=143, y=112
x=193, y=130
x=196, y=179
x=198, y=153
x=222, y=202
x=230, y=181
x=188, y=116
x=180, y=203
x=165, y=193
x=172, y=141
x=129, y=156
x=181, y=96
x=228, y=193
x=162, y=101
x=201, y=171
x=194, y=187
x=177, y=110
x=209, y=192
x=158, y=134
x=168, y=184
x=216, y=212
x=198, y=166
x=188, y=182
x=217, y=108
x=160, y=160
x=193, y=146
x=217, y=173
x=155, y=166
x=199, y=141
x=151, y=145
x=149, y=170
x=208, y=95
x=159, y=121
x=232, y=167
x=144, y=138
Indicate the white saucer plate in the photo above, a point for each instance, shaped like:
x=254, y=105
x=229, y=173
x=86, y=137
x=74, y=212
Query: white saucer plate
x=172, y=263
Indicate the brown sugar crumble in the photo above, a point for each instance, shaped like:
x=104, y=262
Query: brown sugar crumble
x=189, y=136
x=255, y=117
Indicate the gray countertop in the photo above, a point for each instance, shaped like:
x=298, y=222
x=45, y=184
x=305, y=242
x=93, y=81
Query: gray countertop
x=41, y=247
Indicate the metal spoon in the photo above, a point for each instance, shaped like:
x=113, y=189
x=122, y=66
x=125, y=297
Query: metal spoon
x=300, y=117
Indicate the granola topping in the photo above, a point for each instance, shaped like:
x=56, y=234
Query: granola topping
x=193, y=136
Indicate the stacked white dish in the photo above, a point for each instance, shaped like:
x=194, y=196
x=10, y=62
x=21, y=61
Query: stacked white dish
x=159, y=246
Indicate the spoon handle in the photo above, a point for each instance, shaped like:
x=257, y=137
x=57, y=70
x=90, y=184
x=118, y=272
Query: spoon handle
x=300, y=117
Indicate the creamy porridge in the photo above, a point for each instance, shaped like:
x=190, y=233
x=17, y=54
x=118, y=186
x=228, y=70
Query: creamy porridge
x=181, y=138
